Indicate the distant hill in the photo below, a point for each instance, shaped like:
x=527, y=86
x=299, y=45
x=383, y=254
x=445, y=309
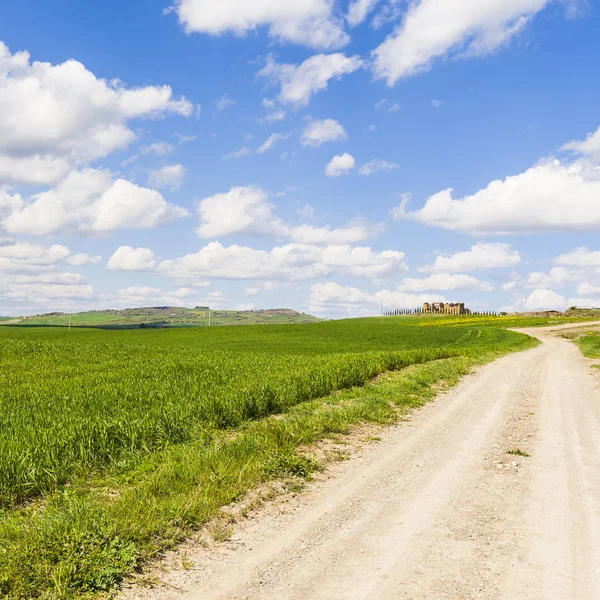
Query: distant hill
x=166, y=316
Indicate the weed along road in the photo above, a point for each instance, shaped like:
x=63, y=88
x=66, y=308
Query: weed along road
x=491, y=491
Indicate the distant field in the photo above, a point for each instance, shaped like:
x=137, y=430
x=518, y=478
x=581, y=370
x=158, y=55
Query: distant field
x=115, y=444
x=169, y=317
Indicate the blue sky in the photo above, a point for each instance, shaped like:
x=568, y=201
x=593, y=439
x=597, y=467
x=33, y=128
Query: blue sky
x=299, y=154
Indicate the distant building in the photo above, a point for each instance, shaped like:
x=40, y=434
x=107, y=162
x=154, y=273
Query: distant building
x=448, y=308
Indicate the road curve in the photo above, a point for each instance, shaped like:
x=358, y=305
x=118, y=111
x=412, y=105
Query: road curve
x=438, y=509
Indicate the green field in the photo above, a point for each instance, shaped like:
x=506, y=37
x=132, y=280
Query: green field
x=116, y=444
x=589, y=343
x=166, y=317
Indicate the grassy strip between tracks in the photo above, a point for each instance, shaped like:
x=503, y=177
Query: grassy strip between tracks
x=80, y=541
x=589, y=343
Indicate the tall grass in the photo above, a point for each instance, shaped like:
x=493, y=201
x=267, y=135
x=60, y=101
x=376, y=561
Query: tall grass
x=74, y=404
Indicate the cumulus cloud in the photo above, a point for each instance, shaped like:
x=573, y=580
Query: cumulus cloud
x=376, y=166
x=545, y=299
x=307, y=22
x=169, y=176
x=29, y=273
x=24, y=257
x=436, y=29
x=87, y=202
x=444, y=282
x=588, y=289
x=556, y=277
x=247, y=211
x=240, y=211
x=127, y=258
x=299, y=82
x=340, y=165
x=42, y=293
x=58, y=116
x=32, y=170
x=319, y=131
x=292, y=262
x=551, y=196
x=333, y=298
x=590, y=146
x=81, y=259
x=580, y=257
x=139, y=296
x=244, y=307
x=479, y=257
x=358, y=11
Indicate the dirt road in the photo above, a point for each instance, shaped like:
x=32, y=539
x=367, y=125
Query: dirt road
x=439, y=509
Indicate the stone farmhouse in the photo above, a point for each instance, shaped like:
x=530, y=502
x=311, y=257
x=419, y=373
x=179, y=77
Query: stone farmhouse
x=448, y=308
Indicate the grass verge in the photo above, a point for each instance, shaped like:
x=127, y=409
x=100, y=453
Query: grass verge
x=81, y=541
x=589, y=344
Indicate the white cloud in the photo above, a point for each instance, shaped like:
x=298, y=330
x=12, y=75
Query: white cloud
x=225, y=101
x=241, y=211
x=434, y=29
x=87, y=202
x=157, y=149
x=29, y=275
x=332, y=298
x=299, y=82
x=247, y=211
x=376, y=166
x=580, y=257
x=293, y=262
x=245, y=307
x=588, y=289
x=319, y=131
x=54, y=116
x=272, y=140
x=358, y=11
x=444, y=282
x=244, y=151
x=556, y=277
x=545, y=299
x=127, y=258
x=480, y=257
x=54, y=277
x=351, y=233
x=169, y=176
x=273, y=117
x=23, y=257
x=307, y=22
x=590, y=146
x=437, y=103
x=33, y=170
x=340, y=165
x=551, y=196
x=138, y=296
x=307, y=211
x=251, y=291
x=82, y=259
x=42, y=293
